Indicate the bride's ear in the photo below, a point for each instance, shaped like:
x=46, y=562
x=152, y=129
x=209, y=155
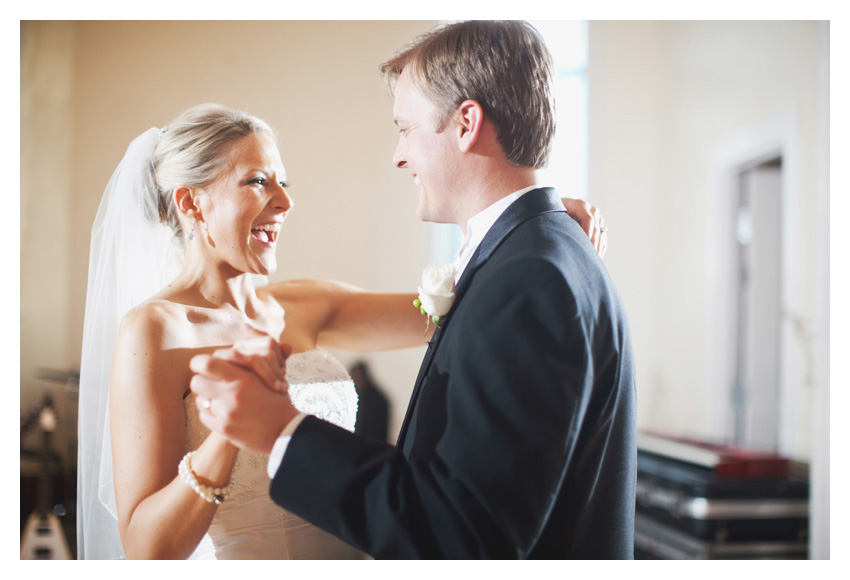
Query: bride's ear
x=185, y=200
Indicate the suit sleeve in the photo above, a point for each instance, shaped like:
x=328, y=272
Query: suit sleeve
x=515, y=381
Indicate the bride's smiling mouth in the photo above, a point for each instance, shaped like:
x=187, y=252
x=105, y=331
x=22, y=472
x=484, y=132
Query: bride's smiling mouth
x=266, y=233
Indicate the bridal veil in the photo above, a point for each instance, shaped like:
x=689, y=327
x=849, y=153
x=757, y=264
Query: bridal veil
x=132, y=257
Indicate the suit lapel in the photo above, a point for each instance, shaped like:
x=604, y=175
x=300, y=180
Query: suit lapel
x=533, y=203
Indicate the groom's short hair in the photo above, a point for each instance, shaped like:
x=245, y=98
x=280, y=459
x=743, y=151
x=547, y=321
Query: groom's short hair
x=503, y=65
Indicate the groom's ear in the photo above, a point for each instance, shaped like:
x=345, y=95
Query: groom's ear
x=469, y=122
x=185, y=199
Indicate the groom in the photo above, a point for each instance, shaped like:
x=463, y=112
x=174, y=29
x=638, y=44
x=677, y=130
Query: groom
x=519, y=441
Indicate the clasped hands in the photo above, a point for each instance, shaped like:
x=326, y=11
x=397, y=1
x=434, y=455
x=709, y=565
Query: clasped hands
x=242, y=391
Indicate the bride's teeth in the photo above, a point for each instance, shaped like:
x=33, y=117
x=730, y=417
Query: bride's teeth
x=266, y=232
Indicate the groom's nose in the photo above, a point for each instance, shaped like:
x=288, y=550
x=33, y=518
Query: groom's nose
x=398, y=157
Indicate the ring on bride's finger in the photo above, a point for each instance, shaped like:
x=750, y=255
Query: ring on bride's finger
x=206, y=405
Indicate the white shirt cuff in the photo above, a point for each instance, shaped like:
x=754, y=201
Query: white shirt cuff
x=276, y=456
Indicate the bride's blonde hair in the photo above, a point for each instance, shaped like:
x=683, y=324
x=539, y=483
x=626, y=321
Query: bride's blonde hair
x=192, y=151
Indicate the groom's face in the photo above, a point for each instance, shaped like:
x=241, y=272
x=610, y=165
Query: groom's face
x=432, y=157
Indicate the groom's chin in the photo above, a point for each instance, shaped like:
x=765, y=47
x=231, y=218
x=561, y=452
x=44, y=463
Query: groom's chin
x=424, y=215
x=421, y=214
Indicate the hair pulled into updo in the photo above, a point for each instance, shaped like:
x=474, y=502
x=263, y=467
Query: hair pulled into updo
x=192, y=151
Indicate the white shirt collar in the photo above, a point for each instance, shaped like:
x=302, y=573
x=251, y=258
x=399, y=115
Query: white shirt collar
x=478, y=226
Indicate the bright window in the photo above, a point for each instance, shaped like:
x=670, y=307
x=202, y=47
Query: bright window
x=567, y=41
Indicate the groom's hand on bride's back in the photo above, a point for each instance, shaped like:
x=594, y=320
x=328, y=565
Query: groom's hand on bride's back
x=241, y=392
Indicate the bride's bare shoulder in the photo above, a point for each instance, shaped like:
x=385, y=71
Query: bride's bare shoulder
x=154, y=321
x=156, y=311
x=151, y=354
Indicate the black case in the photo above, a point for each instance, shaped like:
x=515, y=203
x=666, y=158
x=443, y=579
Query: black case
x=717, y=517
x=655, y=541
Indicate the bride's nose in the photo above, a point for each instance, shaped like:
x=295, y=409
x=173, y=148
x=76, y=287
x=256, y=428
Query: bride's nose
x=281, y=200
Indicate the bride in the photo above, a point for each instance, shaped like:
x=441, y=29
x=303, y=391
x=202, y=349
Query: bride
x=154, y=482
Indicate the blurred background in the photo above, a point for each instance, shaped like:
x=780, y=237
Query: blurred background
x=705, y=144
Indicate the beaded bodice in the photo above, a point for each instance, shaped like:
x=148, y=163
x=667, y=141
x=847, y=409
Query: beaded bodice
x=249, y=525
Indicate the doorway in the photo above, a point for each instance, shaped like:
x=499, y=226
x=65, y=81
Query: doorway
x=756, y=354
x=755, y=392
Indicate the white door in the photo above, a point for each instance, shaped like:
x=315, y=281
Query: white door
x=757, y=399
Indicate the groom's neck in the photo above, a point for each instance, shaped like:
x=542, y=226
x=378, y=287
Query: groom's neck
x=489, y=187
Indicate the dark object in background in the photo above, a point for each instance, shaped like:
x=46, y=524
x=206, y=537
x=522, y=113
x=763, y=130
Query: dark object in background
x=686, y=510
x=43, y=537
x=373, y=409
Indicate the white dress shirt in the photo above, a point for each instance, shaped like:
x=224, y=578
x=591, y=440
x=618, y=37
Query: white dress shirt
x=476, y=228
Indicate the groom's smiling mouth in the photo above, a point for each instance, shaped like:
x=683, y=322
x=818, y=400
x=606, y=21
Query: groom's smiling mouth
x=266, y=233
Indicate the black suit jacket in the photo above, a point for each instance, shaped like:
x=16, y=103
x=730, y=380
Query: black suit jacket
x=519, y=441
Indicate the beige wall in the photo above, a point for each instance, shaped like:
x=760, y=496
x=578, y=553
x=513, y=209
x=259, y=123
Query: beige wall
x=663, y=97
x=47, y=261
x=88, y=88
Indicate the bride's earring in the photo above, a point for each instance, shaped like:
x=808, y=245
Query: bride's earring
x=191, y=235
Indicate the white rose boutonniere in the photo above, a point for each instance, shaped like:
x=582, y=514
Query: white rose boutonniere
x=437, y=292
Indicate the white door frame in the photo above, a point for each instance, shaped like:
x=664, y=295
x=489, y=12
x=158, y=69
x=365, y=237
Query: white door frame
x=776, y=137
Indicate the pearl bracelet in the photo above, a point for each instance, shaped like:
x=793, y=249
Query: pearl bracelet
x=215, y=495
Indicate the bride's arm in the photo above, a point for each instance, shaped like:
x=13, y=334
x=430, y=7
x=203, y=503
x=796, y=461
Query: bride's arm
x=159, y=515
x=345, y=317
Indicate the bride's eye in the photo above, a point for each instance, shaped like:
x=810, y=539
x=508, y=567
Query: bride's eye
x=258, y=180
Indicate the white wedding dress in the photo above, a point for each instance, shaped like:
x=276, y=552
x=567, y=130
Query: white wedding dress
x=249, y=525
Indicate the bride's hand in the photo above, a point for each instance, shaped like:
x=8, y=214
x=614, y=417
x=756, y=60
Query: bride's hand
x=234, y=401
x=589, y=217
x=262, y=354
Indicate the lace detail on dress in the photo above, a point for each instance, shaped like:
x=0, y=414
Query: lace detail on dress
x=334, y=402
x=314, y=366
x=319, y=385
x=249, y=524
